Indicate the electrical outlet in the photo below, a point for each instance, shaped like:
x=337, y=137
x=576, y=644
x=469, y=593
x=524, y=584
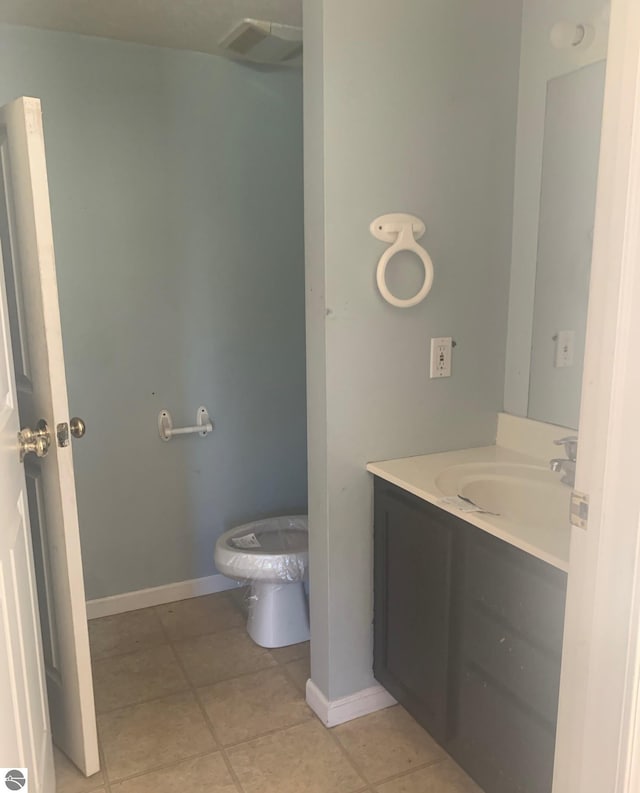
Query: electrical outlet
x=441, y=357
x=565, y=342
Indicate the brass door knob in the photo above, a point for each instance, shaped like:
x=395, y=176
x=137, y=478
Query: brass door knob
x=78, y=427
x=34, y=441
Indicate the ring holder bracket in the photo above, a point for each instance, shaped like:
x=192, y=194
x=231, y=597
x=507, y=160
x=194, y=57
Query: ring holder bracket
x=403, y=231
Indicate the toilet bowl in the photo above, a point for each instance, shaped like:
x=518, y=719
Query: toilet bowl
x=272, y=556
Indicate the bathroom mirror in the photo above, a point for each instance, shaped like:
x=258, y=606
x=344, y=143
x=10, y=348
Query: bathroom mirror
x=571, y=148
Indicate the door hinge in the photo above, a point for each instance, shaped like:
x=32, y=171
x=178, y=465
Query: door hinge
x=579, y=510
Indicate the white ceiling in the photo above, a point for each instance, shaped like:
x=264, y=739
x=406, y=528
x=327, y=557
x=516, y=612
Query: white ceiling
x=180, y=24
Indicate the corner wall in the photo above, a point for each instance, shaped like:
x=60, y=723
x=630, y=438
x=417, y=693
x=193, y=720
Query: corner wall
x=176, y=193
x=408, y=107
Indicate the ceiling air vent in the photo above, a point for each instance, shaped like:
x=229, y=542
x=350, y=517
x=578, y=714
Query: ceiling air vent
x=264, y=42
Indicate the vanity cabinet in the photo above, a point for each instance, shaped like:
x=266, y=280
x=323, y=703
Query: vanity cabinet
x=414, y=560
x=468, y=637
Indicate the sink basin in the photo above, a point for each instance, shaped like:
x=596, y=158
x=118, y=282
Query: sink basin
x=528, y=495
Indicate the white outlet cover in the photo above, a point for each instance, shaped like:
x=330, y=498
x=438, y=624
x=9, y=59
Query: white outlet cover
x=440, y=357
x=565, y=344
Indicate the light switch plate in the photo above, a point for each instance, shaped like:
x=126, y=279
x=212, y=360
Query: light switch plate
x=441, y=357
x=565, y=342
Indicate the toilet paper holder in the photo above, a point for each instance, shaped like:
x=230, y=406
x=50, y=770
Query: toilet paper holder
x=403, y=231
x=203, y=425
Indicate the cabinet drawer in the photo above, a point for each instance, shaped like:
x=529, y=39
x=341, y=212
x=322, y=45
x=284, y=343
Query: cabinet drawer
x=520, y=591
x=531, y=674
x=504, y=748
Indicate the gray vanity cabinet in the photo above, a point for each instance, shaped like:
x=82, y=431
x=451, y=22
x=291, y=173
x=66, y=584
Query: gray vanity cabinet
x=414, y=554
x=468, y=637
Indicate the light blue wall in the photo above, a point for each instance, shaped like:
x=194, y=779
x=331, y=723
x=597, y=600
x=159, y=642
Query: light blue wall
x=176, y=192
x=413, y=111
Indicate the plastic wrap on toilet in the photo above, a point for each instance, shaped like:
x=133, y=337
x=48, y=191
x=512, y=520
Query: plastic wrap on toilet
x=272, y=550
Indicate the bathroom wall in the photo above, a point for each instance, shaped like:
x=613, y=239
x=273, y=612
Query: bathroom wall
x=539, y=63
x=418, y=115
x=176, y=192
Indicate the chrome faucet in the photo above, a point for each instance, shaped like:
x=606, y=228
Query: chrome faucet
x=567, y=465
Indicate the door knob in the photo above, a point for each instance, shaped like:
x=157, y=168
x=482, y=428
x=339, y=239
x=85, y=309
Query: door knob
x=78, y=427
x=34, y=441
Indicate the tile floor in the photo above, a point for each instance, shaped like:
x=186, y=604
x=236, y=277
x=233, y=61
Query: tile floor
x=186, y=701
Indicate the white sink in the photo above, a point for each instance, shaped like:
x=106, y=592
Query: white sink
x=528, y=495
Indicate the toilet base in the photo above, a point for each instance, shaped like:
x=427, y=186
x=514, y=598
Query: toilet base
x=278, y=614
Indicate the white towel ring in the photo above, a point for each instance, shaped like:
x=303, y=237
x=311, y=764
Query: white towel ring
x=403, y=230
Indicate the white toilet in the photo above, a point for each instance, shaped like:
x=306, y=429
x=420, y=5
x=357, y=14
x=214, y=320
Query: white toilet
x=272, y=555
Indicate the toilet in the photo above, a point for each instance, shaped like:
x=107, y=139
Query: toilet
x=272, y=556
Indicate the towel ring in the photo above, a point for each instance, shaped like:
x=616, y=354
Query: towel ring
x=403, y=231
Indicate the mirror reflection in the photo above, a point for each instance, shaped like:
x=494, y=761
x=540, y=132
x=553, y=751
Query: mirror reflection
x=573, y=121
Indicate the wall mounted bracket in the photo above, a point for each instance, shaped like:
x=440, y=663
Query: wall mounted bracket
x=203, y=425
x=403, y=231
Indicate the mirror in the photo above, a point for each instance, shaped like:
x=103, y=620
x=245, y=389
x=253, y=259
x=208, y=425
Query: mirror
x=557, y=157
x=571, y=150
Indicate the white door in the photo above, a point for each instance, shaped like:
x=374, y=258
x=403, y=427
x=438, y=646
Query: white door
x=34, y=321
x=25, y=737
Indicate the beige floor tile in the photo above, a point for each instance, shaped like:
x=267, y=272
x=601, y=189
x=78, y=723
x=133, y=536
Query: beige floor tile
x=142, y=737
x=300, y=672
x=252, y=705
x=303, y=758
x=197, y=616
x=136, y=677
x=220, y=656
x=125, y=633
x=293, y=652
x=386, y=743
x=70, y=780
x=207, y=774
x=443, y=777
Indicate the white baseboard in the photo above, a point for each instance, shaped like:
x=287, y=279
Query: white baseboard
x=337, y=711
x=158, y=595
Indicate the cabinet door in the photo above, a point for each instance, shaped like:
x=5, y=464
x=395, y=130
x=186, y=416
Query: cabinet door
x=413, y=571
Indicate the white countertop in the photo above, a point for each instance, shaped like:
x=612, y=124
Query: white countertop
x=418, y=475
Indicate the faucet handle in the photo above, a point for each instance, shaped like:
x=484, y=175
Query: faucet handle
x=570, y=444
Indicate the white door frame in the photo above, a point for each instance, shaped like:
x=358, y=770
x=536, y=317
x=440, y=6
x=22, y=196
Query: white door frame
x=598, y=743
